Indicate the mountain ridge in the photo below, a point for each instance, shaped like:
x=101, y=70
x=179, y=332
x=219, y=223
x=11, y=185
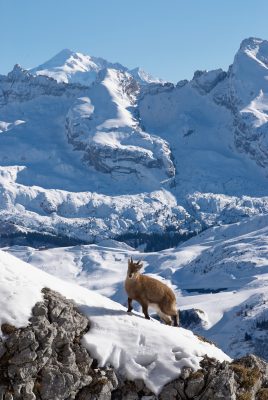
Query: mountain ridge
x=69, y=66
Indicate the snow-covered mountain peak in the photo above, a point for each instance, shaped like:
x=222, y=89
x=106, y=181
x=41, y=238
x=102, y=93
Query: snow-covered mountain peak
x=249, y=72
x=69, y=67
x=252, y=57
x=59, y=59
x=255, y=48
x=143, y=77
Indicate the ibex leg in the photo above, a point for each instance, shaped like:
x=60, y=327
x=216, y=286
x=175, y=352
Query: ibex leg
x=130, y=308
x=145, y=311
x=175, y=320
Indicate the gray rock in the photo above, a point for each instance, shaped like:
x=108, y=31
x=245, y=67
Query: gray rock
x=193, y=319
x=195, y=384
x=46, y=360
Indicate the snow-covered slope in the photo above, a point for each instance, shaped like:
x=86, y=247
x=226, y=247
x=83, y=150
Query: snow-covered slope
x=249, y=95
x=103, y=126
x=137, y=348
x=223, y=271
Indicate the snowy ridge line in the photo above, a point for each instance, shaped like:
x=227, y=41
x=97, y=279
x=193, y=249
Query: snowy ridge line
x=90, y=216
x=74, y=67
x=87, y=216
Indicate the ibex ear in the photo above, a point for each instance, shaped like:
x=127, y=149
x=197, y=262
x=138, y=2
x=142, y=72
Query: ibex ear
x=139, y=264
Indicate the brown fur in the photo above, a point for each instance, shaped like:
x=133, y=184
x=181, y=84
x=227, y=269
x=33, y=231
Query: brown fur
x=149, y=291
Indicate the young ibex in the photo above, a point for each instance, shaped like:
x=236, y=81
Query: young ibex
x=150, y=292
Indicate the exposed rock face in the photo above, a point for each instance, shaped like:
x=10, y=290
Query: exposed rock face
x=46, y=361
x=205, y=81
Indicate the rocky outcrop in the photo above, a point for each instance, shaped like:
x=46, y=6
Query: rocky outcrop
x=193, y=319
x=205, y=81
x=46, y=361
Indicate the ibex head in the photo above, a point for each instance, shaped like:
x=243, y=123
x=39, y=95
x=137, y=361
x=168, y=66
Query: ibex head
x=133, y=268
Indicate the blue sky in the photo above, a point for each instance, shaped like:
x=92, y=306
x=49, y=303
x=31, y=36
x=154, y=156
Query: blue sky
x=169, y=38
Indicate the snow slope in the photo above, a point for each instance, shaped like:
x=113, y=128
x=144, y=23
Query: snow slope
x=223, y=271
x=137, y=348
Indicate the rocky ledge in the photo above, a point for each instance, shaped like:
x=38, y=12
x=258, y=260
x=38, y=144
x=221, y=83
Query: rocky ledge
x=46, y=361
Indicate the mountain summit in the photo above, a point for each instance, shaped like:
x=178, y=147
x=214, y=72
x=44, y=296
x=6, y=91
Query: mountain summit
x=69, y=67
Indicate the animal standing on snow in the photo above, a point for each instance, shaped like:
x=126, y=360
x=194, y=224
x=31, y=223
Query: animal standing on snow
x=150, y=292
